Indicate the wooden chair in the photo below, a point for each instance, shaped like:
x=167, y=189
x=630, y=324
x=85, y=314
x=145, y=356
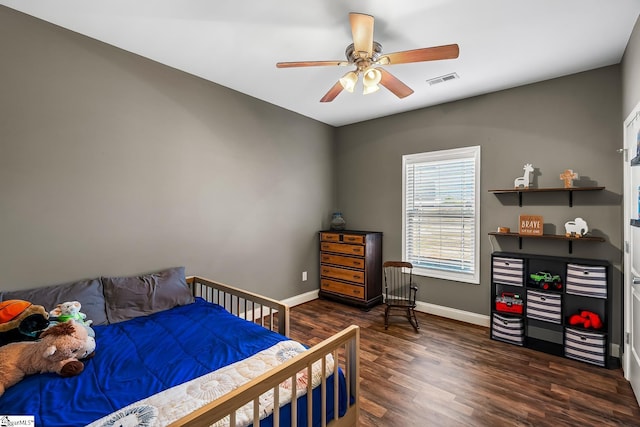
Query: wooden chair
x=399, y=291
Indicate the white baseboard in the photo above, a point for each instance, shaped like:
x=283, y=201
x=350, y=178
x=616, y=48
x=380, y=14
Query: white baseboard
x=438, y=310
x=301, y=299
x=615, y=350
x=295, y=300
x=453, y=313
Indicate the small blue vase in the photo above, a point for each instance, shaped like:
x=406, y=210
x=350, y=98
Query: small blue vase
x=337, y=222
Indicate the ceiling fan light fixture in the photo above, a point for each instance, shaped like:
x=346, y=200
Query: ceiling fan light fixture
x=348, y=81
x=370, y=89
x=371, y=77
x=365, y=54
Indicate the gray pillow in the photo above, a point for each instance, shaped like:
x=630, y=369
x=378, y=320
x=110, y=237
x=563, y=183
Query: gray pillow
x=130, y=297
x=88, y=292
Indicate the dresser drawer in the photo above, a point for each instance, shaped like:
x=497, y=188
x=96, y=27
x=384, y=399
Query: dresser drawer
x=346, y=238
x=353, y=291
x=342, y=273
x=354, y=239
x=345, y=261
x=342, y=248
x=330, y=237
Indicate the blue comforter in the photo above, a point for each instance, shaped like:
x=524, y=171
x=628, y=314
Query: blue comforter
x=137, y=358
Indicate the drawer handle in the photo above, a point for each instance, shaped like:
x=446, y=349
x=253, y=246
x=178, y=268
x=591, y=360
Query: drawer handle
x=356, y=291
x=325, y=271
x=355, y=276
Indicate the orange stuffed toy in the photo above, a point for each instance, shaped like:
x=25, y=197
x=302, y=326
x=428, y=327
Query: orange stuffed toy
x=21, y=321
x=586, y=319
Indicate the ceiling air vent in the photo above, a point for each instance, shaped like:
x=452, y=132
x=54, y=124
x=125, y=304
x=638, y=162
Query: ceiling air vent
x=442, y=79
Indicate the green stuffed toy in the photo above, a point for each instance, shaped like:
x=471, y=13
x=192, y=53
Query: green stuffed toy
x=70, y=310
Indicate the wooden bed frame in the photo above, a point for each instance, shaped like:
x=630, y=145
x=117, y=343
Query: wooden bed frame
x=343, y=346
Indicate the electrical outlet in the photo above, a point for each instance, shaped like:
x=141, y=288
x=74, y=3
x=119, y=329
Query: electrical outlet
x=304, y=276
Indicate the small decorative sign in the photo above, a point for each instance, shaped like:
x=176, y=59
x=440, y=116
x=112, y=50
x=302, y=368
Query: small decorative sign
x=530, y=225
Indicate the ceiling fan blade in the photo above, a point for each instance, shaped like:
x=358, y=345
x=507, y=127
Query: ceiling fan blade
x=333, y=92
x=449, y=51
x=362, y=31
x=310, y=64
x=392, y=83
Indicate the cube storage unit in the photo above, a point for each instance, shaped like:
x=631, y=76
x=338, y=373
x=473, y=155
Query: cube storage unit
x=533, y=299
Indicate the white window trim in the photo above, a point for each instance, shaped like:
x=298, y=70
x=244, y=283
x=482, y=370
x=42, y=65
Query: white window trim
x=455, y=153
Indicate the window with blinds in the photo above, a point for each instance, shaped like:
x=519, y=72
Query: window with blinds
x=441, y=215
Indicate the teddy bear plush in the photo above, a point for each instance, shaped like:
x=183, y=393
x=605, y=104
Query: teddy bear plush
x=59, y=350
x=21, y=321
x=71, y=310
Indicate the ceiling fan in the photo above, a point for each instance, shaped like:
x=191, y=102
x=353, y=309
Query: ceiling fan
x=366, y=55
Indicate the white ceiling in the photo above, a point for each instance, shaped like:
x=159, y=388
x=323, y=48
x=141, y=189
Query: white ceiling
x=236, y=43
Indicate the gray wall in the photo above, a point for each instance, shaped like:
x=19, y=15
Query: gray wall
x=111, y=164
x=571, y=122
x=630, y=72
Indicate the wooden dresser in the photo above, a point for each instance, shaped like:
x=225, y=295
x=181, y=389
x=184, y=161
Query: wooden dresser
x=351, y=267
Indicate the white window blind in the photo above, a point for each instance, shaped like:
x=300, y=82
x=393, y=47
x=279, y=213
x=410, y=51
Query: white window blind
x=441, y=213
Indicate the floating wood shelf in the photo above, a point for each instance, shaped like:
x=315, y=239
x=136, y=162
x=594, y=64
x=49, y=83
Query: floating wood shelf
x=545, y=190
x=550, y=237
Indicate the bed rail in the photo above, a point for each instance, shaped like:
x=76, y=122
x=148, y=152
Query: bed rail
x=343, y=346
x=270, y=313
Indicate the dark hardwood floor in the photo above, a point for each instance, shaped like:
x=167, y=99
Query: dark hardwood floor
x=452, y=374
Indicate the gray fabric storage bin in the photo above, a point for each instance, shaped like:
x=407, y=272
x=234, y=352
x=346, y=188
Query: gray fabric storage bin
x=545, y=306
x=508, y=271
x=587, y=280
x=508, y=329
x=586, y=346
